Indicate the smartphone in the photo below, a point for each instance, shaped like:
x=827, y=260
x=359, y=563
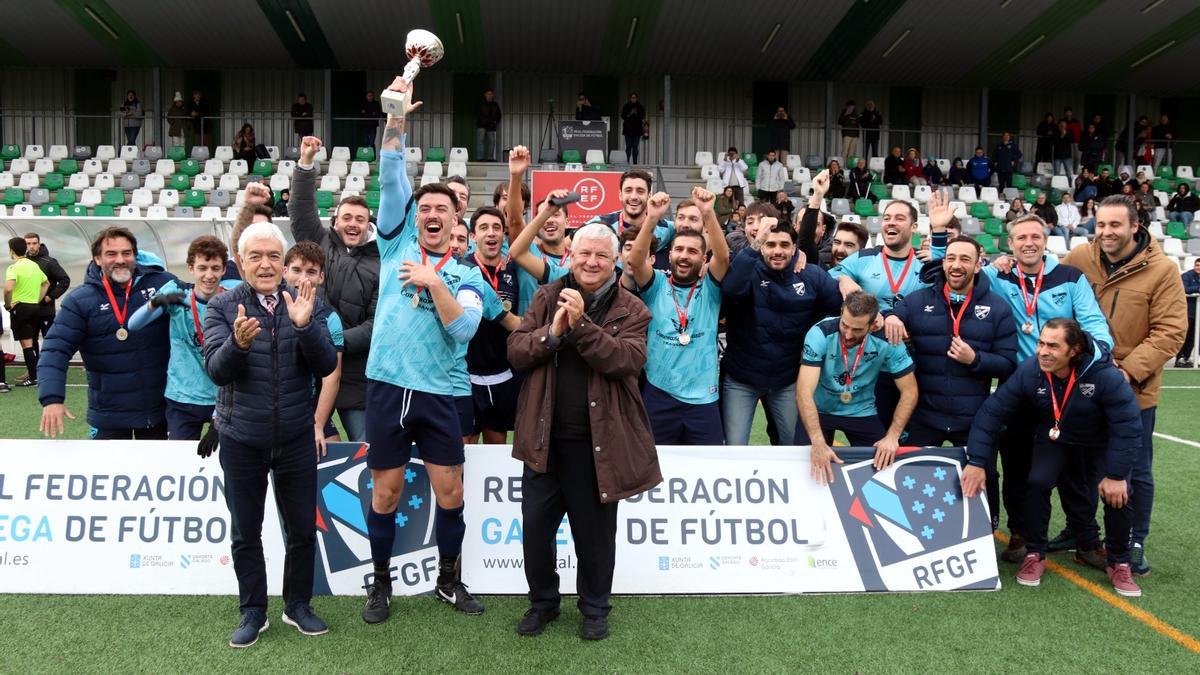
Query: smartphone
x=569, y=199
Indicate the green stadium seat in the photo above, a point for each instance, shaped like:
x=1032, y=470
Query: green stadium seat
x=323, y=212
x=10, y=151
x=373, y=182
x=52, y=181
x=1018, y=181
x=851, y=162
x=179, y=182
x=77, y=211
x=437, y=154
x=193, y=198
x=373, y=199
x=865, y=207
x=263, y=167
x=68, y=167
x=365, y=154
x=13, y=196
x=114, y=197
x=324, y=199
x=50, y=210
x=751, y=159
x=597, y=167
x=1162, y=184
x=189, y=167
x=1177, y=229
x=981, y=210
x=176, y=153
x=1054, y=197
x=1165, y=171
x=571, y=157
x=65, y=197
x=880, y=190
x=988, y=242
x=1031, y=195
x=104, y=211
x=752, y=173
x=994, y=227
x=916, y=241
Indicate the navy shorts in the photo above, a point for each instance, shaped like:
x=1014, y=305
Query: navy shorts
x=185, y=421
x=677, y=423
x=862, y=432
x=496, y=405
x=466, y=415
x=398, y=417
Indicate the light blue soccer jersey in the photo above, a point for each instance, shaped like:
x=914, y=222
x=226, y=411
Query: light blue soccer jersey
x=334, y=323
x=493, y=307
x=410, y=347
x=822, y=349
x=527, y=285
x=866, y=269
x=687, y=372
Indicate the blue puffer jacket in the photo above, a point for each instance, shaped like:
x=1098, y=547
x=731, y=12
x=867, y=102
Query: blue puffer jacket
x=1101, y=412
x=950, y=392
x=126, y=380
x=266, y=391
x=768, y=314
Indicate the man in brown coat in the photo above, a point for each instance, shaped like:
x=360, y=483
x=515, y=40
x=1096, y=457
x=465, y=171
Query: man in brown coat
x=1141, y=295
x=581, y=428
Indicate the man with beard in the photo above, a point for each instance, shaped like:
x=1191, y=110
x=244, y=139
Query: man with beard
x=550, y=257
x=60, y=282
x=769, y=307
x=1139, y=290
x=963, y=337
x=127, y=372
x=429, y=303
x=460, y=238
x=680, y=393
x=462, y=191
x=848, y=239
x=351, y=278
x=635, y=190
x=813, y=225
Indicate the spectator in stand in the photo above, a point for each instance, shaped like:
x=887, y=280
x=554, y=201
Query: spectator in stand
x=1183, y=205
x=893, y=167
x=1064, y=151
x=25, y=284
x=1191, y=287
x=1074, y=127
x=733, y=173
x=1143, y=215
x=246, y=146
x=487, y=121
x=633, y=125
x=281, y=206
x=1145, y=147
x=1068, y=219
x=177, y=120
x=1016, y=210
x=60, y=282
x=1091, y=148
x=370, y=111
x=783, y=204
x=734, y=225
x=771, y=176
x=958, y=173
x=1145, y=196
x=500, y=195
x=837, y=180
x=932, y=172
x=980, y=169
x=1085, y=185
x=870, y=120
x=197, y=109
x=1124, y=179
x=1045, y=210
x=132, y=116
x=584, y=110
x=859, y=183
x=1105, y=185
x=1047, y=134
x=302, y=117
x=848, y=122
x=726, y=204
x=1007, y=158
x=1102, y=131
x=1087, y=216
x=781, y=127
x=1162, y=136
x=913, y=167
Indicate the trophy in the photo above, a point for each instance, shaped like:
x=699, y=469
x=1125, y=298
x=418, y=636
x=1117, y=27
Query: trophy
x=423, y=50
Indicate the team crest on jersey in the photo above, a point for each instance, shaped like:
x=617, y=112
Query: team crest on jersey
x=1059, y=297
x=764, y=283
x=798, y=287
x=1041, y=391
x=1088, y=390
x=929, y=309
x=104, y=307
x=982, y=311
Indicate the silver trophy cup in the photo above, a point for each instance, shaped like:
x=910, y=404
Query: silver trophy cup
x=423, y=50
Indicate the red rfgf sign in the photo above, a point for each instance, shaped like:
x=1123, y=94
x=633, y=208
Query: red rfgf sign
x=600, y=192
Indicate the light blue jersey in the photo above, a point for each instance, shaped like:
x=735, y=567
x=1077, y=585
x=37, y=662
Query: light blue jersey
x=687, y=372
x=493, y=307
x=527, y=285
x=866, y=268
x=410, y=347
x=823, y=349
x=334, y=323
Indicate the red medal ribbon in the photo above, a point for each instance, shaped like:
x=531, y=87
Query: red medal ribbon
x=437, y=268
x=846, y=360
x=961, y=312
x=118, y=312
x=682, y=312
x=1066, y=394
x=196, y=319
x=887, y=267
x=492, y=279
x=1031, y=305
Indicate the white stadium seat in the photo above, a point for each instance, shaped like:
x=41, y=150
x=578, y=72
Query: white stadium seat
x=117, y=167
x=273, y=152
x=204, y=182
x=594, y=157
x=23, y=211
x=210, y=213
x=1056, y=245
x=90, y=197
x=280, y=182
x=156, y=212
x=989, y=195
x=164, y=167
x=340, y=154
x=876, y=164
x=7, y=180
x=801, y=175
x=331, y=183
x=966, y=194
x=1000, y=209
x=1173, y=247
x=364, y=169
x=214, y=167
x=1060, y=183
x=238, y=167
x=18, y=166
x=155, y=182
x=709, y=171
x=1147, y=170
x=43, y=166
x=224, y=153
x=229, y=182
x=794, y=161
x=569, y=166
x=78, y=181
x=1076, y=242
x=129, y=153
x=105, y=152
x=943, y=164
x=714, y=186
x=460, y=169
x=433, y=169
x=286, y=168
x=129, y=211
x=1156, y=230
x=168, y=198
x=703, y=158
x=337, y=168
x=459, y=155
x=1183, y=171
x=142, y=198
x=93, y=166
x=34, y=152
x=354, y=184
x=1045, y=169
x=411, y=154
x=922, y=193
x=60, y=152
x=28, y=181
x=901, y=192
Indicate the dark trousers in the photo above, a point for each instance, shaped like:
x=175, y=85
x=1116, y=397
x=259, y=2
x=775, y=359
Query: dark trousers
x=1185, y=352
x=923, y=436
x=1015, y=455
x=293, y=468
x=862, y=432
x=870, y=143
x=157, y=432
x=1082, y=468
x=677, y=423
x=739, y=194
x=47, y=320
x=1005, y=178
x=887, y=397
x=631, y=147
x=568, y=486
x=1142, y=479
x=185, y=421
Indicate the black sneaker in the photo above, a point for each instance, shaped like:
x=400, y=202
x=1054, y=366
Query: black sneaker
x=1137, y=561
x=4, y=388
x=594, y=628
x=302, y=617
x=1096, y=558
x=254, y=621
x=379, y=600
x=451, y=590
x=1015, y=551
x=26, y=382
x=536, y=620
x=1065, y=541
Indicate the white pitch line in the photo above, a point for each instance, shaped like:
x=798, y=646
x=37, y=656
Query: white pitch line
x=1177, y=439
x=1179, y=386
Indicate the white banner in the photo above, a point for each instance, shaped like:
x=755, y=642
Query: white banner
x=150, y=517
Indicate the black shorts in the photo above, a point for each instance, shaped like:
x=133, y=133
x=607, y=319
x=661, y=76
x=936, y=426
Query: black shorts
x=496, y=405
x=398, y=417
x=26, y=319
x=466, y=415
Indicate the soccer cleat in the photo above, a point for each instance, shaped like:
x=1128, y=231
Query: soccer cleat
x=594, y=628
x=254, y=622
x=1122, y=581
x=451, y=590
x=1016, y=551
x=1031, y=570
x=302, y=617
x=1097, y=557
x=535, y=621
x=27, y=382
x=4, y=388
x=1137, y=560
x=379, y=600
x=1065, y=541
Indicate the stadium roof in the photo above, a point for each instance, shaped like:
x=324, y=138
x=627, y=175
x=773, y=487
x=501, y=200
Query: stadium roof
x=1101, y=45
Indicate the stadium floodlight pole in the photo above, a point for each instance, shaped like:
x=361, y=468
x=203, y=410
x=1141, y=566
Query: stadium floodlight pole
x=423, y=50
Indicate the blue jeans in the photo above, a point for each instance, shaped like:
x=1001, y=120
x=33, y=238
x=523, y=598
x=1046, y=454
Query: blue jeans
x=1067, y=166
x=1142, y=480
x=485, y=145
x=739, y=401
x=1088, y=224
x=354, y=421
x=1184, y=217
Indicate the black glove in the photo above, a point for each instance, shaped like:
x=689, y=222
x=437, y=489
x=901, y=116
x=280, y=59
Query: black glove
x=164, y=299
x=210, y=441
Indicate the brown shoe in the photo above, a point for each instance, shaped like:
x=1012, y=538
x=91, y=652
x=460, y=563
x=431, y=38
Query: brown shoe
x=1096, y=558
x=1016, y=550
